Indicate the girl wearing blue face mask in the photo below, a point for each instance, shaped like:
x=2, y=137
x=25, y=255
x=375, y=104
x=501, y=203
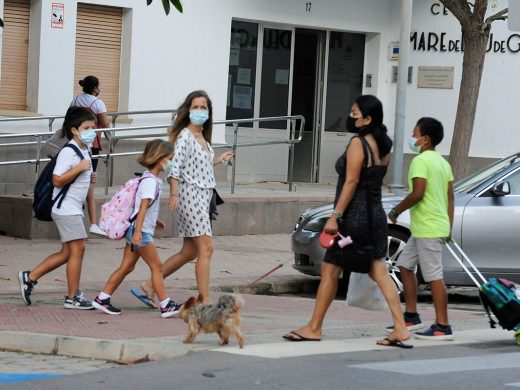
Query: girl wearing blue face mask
x=74, y=167
x=191, y=187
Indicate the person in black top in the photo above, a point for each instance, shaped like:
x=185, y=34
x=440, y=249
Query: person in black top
x=361, y=170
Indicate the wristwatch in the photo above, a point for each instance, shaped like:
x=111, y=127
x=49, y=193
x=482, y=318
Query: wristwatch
x=337, y=213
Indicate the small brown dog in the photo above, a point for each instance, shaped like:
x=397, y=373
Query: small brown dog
x=222, y=318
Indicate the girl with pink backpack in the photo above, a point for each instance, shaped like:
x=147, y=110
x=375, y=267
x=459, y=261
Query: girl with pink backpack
x=157, y=158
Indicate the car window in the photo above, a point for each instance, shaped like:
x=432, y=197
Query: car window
x=472, y=181
x=514, y=182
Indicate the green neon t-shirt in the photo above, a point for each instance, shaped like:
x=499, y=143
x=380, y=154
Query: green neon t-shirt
x=429, y=217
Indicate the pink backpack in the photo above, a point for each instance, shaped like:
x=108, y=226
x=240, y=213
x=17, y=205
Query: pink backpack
x=116, y=214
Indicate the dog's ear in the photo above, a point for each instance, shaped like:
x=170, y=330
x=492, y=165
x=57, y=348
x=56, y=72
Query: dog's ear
x=239, y=302
x=190, y=303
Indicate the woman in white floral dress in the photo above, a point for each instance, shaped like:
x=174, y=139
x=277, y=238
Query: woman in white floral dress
x=191, y=187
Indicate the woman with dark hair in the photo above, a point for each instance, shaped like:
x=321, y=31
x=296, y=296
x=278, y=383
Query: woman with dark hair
x=89, y=99
x=358, y=188
x=192, y=181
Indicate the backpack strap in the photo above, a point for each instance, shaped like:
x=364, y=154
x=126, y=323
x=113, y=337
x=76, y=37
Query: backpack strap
x=132, y=220
x=61, y=195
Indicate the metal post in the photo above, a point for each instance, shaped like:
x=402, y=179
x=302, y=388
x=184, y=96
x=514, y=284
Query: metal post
x=400, y=107
x=234, y=166
x=292, y=130
x=51, y=121
x=37, y=164
x=108, y=161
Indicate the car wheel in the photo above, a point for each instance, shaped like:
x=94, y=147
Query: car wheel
x=396, y=242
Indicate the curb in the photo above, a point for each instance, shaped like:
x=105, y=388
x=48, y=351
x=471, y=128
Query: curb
x=90, y=348
x=290, y=286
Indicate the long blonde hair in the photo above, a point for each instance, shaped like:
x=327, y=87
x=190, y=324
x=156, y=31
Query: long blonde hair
x=153, y=152
x=182, y=119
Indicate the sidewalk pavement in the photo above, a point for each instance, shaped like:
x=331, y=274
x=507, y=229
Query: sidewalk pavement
x=46, y=327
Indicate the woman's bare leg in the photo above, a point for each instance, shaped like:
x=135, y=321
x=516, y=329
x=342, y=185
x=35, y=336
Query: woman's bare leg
x=326, y=292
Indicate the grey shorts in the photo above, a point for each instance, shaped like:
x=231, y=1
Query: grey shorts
x=425, y=252
x=71, y=227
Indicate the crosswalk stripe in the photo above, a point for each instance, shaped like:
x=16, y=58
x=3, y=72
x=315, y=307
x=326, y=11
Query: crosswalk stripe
x=288, y=349
x=491, y=361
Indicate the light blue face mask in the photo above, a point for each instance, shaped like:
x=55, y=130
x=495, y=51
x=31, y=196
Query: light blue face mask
x=199, y=117
x=412, y=145
x=87, y=136
x=168, y=167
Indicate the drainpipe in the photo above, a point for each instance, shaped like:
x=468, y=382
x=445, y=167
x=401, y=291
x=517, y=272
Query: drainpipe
x=400, y=107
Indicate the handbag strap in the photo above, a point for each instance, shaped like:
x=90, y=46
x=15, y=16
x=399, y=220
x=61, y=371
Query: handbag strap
x=369, y=156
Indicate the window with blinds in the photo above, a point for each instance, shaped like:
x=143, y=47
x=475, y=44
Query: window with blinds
x=15, y=46
x=98, y=49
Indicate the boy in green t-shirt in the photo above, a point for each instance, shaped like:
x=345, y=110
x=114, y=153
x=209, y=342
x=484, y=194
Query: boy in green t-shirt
x=431, y=212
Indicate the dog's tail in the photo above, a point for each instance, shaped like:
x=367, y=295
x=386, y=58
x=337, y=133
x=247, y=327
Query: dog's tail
x=190, y=303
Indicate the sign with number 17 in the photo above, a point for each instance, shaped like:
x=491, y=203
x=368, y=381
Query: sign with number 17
x=308, y=6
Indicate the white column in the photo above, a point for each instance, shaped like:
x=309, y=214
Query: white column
x=400, y=106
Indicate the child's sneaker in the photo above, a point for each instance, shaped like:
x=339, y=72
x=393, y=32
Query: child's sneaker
x=78, y=302
x=96, y=230
x=170, y=309
x=26, y=286
x=412, y=322
x=435, y=332
x=105, y=305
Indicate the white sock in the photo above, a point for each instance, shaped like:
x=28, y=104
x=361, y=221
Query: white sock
x=103, y=296
x=164, y=303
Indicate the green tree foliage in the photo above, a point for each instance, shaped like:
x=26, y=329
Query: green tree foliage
x=166, y=5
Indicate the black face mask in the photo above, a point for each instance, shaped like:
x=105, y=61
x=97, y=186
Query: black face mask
x=351, y=125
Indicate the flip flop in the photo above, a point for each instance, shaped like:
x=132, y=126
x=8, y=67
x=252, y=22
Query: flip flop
x=388, y=342
x=293, y=336
x=143, y=298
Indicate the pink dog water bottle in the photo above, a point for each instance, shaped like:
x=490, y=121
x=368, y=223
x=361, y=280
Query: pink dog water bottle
x=344, y=241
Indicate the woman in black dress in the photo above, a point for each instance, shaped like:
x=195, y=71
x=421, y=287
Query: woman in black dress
x=359, y=187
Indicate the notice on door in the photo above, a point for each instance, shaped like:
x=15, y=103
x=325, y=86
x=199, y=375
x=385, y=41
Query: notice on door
x=57, y=15
x=440, y=77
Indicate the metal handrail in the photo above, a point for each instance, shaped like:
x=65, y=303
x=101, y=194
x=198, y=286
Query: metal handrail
x=114, y=115
x=108, y=157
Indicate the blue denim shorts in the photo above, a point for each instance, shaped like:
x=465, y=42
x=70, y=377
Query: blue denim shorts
x=146, y=238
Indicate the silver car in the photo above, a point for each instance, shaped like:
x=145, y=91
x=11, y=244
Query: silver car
x=486, y=225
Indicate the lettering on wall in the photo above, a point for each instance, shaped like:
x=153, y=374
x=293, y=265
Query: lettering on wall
x=429, y=41
x=308, y=6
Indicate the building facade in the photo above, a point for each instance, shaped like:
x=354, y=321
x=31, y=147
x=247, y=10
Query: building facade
x=256, y=59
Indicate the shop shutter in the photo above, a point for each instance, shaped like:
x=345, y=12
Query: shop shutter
x=98, y=49
x=15, y=46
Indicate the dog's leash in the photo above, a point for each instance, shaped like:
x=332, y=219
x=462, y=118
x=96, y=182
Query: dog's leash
x=266, y=274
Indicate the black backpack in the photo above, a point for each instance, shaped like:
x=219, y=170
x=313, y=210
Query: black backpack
x=43, y=202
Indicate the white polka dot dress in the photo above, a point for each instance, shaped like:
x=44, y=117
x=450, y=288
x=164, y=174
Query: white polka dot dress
x=193, y=168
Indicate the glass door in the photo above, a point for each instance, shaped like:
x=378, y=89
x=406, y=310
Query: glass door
x=345, y=58
x=309, y=55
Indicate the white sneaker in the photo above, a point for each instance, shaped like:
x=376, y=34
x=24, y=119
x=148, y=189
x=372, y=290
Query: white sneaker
x=96, y=230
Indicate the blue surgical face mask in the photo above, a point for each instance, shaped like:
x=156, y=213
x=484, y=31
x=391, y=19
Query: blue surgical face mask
x=412, y=144
x=199, y=117
x=87, y=136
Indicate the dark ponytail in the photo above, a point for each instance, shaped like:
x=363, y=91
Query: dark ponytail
x=371, y=106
